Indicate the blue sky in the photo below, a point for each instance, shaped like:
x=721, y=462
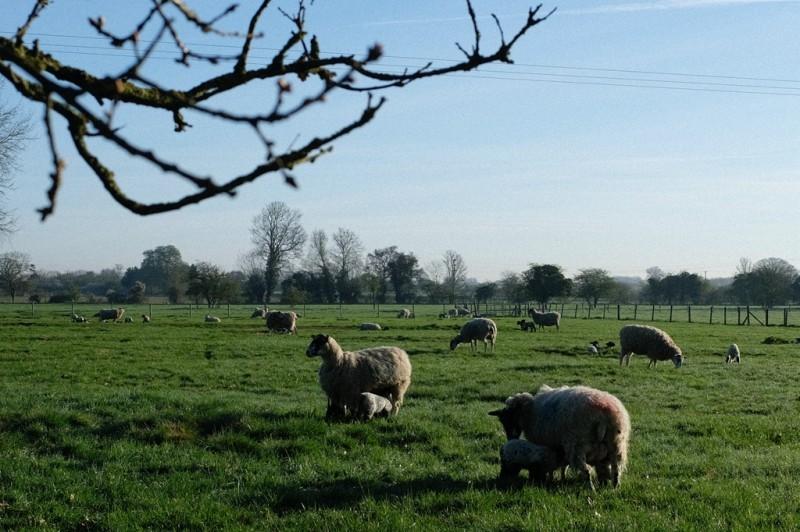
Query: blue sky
x=531, y=162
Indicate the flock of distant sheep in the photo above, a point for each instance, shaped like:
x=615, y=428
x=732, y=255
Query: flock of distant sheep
x=578, y=427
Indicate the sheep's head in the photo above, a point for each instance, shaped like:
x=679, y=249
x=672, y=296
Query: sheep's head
x=319, y=346
x=677, y=359
x=510, y=415
x=454, y=343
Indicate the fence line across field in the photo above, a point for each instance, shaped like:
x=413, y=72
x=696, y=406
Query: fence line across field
x=710, y=314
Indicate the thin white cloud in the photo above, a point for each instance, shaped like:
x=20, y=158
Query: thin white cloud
x=667, y=5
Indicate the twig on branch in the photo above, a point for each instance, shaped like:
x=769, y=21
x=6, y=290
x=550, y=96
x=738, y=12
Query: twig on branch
x=67, y=91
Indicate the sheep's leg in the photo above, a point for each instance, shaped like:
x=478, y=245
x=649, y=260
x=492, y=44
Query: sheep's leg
x=624, y=356
x=615, y=473
x=604, y=472
x=578, y=463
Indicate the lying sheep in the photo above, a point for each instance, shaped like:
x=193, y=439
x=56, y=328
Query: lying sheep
x=371, y=405
x=259, y=313
x=78, y=319
x=282, y=321
x=650, y=341
x=545, y=319
x=114, y=314
x=345, y=375
x=526, y=325
x=128, y=319
x=589, y=426
x=211, y=319
x=145, y=318
x=540, y=461
x=476, y=329
x=733, y=354
x=370, y=327
x=405, y=314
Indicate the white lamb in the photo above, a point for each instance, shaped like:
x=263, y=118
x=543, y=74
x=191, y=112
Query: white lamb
x=211, y=319
x=540, y=461
x=477, y=329
x=370, y=327
x=371, y=405
x=733, y=354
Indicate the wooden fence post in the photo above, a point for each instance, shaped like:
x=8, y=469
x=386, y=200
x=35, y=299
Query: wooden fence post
x=618, y=318
x=766, y=317
x=689, y=308
x=588, y=312
x=229, y=310
x=414, y=314
x=635, y=310
x=738, y=315
x=653, y=313
x=604, y=311
x=711, y=315
x=786, y=317
x=724, y=315
x=576, y=310
x=670, y=313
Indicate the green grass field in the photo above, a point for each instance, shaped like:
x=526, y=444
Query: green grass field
x=181, y=425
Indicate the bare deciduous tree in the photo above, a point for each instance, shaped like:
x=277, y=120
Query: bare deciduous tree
x=278, y=238
x=14, y=130
x=88, y=102
x=455, y=272
x=348, y=261
x=15, y=272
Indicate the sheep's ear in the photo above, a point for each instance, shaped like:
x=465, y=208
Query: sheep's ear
x=498, y=412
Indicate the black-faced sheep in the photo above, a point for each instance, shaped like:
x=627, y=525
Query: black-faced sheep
x=589, y=426
x=370, y=326
x=650, y=341
x=78, y=319
x=371, y=405
x=526, y=325
x=476, y=329
x=282, y=321
x=259, y=313
x=128, y=319
x=344, y=375
x=211, y=319
x=733, y=354
x=145, y=318
x=540, y=461
x=545, y=319
x=114, y=314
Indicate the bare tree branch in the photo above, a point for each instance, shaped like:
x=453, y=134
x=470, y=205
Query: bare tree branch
x=88, y=102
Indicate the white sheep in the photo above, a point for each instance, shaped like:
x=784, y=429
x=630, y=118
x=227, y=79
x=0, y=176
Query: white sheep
x=650, y=341
x=345, y=375
x=145, y=318
x=526, y=325
x=463, y=311
x=477, y=329
x=128, y=319
x=370, y=327
x=114, y=314
x=78, y=319
x=590, y=427
x=405, y=314
x=733, y=354
x=592, y=350
x=282, y=321
x=211, y=319
x=371, y=405
x=452, y=313
x=540, y=461
x=545, y=319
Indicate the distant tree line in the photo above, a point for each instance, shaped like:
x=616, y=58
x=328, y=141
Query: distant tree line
x=287, y=266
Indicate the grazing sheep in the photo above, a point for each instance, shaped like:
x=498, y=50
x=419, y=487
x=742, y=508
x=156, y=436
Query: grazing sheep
x=404, y=313
x=540, y=461
x=476, y=329
x=442, y=315
x=114, y=314
x=650, y=341
x=592, y=350
x=78, y=319
x=609, y=345
x=452, y=312
x=345, y=375
x=282, y=321
x=463, y=310
x=370, y=327
x=733, y=354
x=128, y=319
x=145, y=318
x=211, y=319
x=545, y=319
x=371, y=405
x=259, y=313
x=589, y=426
x=526, y=325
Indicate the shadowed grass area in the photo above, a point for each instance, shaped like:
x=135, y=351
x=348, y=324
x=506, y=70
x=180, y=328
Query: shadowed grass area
x=180, y=425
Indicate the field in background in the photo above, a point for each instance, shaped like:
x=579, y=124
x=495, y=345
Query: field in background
x=181, y=424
